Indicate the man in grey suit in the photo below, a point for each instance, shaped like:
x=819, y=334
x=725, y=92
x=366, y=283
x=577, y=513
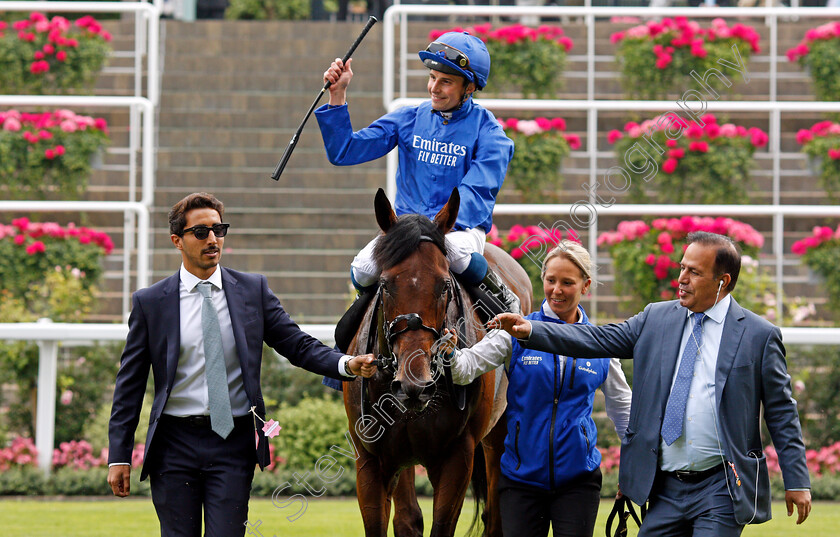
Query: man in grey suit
x=703, y=368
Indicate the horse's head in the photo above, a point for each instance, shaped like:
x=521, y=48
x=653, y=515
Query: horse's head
x=416, y=290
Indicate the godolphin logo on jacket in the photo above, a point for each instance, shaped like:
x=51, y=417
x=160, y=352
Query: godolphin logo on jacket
x=587, y=368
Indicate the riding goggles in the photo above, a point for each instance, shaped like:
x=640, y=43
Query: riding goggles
x=450, y=53
x=202, y=232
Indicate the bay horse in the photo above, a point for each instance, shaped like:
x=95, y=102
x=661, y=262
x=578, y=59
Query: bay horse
x=410, y=412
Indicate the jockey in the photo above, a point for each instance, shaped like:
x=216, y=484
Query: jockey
x=444, y=143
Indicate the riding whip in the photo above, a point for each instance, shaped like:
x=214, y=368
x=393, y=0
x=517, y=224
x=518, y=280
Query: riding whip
x=293, y=142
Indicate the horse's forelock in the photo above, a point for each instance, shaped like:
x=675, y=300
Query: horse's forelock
x=403, y=239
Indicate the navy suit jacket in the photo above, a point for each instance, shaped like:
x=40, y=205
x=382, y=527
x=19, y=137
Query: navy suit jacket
x=154, y=341
x=751, y=373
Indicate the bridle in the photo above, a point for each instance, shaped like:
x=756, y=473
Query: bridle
x=409, y=322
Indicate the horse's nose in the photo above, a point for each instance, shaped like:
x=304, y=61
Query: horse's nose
x=396, y=389
x=411, y=395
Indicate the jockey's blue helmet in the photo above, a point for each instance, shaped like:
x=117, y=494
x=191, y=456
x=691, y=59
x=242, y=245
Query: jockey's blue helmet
x=459, y=53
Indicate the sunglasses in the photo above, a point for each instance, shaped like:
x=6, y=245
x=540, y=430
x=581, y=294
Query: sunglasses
x=450, y=53
x=202, y=232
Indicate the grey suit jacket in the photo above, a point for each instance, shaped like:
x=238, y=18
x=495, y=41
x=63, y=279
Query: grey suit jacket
x=751, y=372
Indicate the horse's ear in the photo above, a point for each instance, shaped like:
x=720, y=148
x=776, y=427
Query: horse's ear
x=385, y=215
x=445, y=219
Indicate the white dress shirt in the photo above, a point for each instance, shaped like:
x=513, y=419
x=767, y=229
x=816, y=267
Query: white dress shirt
x=189, y=390
x=496, y=349
x=698, y=448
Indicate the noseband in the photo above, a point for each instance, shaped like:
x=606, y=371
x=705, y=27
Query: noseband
x=409, y=322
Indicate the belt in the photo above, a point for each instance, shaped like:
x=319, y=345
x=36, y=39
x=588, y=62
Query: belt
x=201, y=421
x=689, y=476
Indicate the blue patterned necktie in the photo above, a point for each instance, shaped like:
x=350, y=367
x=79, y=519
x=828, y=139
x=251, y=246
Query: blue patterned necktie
x=672, y=424
x=221, y=418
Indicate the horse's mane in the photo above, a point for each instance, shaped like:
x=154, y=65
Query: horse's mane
x=403, y=239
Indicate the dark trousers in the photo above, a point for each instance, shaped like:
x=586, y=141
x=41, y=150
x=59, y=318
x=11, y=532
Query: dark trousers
x=193, y=467
x=571, y=509
x=680, y=509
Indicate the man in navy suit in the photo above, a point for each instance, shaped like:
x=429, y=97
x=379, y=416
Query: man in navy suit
x=702, y=467
x=196, y=455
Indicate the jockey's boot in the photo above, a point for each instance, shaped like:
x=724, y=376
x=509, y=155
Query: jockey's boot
x=494, y=285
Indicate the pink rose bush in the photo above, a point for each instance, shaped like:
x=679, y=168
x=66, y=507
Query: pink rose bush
x=541, y=145
x=528, y=246
x=820, y=251
x=821, y=462
x=656, y=58
x=20, y=452
x=646, y=256
x=819, y=53
x=821, y=143
x=41, y=55
x=49, y=152
x=685, y=161
x=528, y=60
x=47, y=269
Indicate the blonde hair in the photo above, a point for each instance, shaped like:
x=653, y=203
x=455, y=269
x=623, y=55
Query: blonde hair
x=575, y=253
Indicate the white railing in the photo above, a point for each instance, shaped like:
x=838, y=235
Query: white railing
x=147, y=33
x=48, y=335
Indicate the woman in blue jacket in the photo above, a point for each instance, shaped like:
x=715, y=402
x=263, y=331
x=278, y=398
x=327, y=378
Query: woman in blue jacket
x=550, y=467
x=447, y=142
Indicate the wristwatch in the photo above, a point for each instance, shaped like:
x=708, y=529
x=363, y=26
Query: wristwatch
x=347, y=369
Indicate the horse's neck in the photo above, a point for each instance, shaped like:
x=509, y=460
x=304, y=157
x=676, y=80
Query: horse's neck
x=461, y=313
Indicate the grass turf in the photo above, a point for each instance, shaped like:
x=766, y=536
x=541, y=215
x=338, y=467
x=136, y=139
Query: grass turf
x=323, y=517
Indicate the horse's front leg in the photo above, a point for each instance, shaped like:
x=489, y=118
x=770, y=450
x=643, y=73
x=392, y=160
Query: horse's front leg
x=372, y=492
x=450, y=478
x=494, y=446
x=408, y=519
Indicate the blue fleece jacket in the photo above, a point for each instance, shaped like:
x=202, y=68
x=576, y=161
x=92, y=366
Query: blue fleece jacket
x=551, y=435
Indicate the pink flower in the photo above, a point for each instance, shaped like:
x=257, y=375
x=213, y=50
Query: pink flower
x=694, y=131
x=558, y=123
x=66, y=397
x=543, y=123
x=36, y=247
x=834, y=154
x=663, y=61
x=573, y=140
x=669, y=166
x=650, y=259
x=566, y=42
x=61, y=56
x=677, y=153
x=758, y=137
x=700, y=147
x=671, y=142
x=49, y=154
x=11, y=125
x=613, y=136
x=616, y=37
